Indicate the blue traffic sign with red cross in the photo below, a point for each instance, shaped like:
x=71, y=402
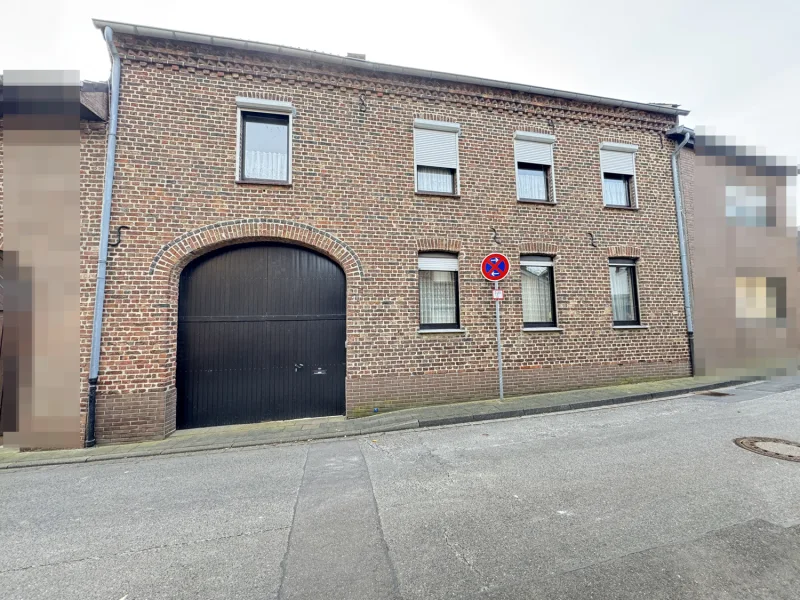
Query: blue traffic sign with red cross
x=495, y=267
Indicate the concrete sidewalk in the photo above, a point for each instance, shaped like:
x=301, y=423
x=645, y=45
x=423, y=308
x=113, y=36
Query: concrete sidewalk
x=258, y=434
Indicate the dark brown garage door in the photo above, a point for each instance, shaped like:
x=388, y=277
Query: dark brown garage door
x=261, y=336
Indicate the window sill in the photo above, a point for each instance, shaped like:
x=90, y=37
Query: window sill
x=440, y=194
x=263, y=182
x=526, y=201
x=542, y=329
x=441, y=331
x=611, y=207
x=630, y=326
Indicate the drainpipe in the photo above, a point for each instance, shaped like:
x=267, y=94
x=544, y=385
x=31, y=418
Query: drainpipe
x=105, y=220
x=687, y=299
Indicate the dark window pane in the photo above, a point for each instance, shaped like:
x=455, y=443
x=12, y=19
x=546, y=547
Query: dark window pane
x=265, y=141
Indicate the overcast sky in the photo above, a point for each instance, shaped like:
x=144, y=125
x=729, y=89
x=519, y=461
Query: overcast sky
x=734, y=63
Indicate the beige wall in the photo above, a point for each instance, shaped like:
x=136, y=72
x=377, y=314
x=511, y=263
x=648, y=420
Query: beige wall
x=723, y=250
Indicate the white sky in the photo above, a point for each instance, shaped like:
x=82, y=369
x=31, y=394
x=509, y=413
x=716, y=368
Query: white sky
x=734, y=63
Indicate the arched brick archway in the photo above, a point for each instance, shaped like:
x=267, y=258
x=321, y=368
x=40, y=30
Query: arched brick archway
x=166, y=267
x=172, y=257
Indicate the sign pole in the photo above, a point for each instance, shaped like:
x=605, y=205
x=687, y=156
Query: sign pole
x=499, y=345
x=494, y=268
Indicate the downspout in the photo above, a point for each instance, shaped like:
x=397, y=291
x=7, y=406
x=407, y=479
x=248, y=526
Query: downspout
x=105, y=220
x=687, y=299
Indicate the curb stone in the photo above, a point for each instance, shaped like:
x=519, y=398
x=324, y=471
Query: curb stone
x=391, y=424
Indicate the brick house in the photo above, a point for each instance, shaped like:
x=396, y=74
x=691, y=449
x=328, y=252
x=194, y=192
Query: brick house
x=284, y=204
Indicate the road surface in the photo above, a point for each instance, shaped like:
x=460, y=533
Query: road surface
x=649, y=500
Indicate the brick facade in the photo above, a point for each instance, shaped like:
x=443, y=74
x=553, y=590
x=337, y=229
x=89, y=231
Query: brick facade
x=352, y=198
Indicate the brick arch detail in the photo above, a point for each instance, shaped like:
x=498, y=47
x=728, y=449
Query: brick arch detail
x=624, y=252
x=438, y=245
x=169, y=262
x=175, y=255
x=538, y=248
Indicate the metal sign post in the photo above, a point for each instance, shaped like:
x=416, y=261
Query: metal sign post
x=499, y=345
x=494, y=268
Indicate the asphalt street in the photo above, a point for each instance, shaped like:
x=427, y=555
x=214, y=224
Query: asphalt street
x=649, y=500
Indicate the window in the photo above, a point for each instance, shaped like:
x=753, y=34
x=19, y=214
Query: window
x=538, y=291
x=532, y=182
x=438, y=291
x=762, y=298
x=533, y=153
x=618, y=167
x=616, y=189
x=624, y=295
x=264, y=154
x=747, y=206
x=436, y=157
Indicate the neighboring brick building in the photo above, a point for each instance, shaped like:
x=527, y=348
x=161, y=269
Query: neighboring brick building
x=353, y=193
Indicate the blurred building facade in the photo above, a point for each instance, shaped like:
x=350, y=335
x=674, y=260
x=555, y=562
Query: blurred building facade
x=741, y=223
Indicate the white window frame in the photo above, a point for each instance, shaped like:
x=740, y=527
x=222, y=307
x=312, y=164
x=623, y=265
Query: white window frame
x=427, y=261
x=448, y=127
x=634, y=191
x=267, y=107
x=542, y=138
x=542, y=260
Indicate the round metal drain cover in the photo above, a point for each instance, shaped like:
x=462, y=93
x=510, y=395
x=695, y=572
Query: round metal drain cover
x=773, y=447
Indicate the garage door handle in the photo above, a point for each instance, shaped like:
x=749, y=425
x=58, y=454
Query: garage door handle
x=320, y=371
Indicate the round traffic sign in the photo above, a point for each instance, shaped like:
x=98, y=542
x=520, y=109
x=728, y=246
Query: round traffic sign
x=495, y=266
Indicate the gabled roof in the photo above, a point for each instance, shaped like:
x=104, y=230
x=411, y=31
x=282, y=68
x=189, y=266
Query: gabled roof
x=358, y=63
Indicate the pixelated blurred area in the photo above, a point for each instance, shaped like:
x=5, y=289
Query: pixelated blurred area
x=744, y=251
x=41, y=113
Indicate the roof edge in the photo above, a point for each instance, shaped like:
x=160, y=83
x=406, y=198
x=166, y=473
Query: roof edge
x=184, y=36
x=678, y=132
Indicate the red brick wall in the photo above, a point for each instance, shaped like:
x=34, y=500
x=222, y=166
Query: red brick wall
x=353, y=198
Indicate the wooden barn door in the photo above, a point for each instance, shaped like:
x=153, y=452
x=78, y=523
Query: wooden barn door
x=261, y=336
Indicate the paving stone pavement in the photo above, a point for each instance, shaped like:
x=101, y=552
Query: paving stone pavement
x=238, y=436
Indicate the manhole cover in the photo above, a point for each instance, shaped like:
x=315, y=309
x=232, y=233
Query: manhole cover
x=712, y=393
x=771, y=447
